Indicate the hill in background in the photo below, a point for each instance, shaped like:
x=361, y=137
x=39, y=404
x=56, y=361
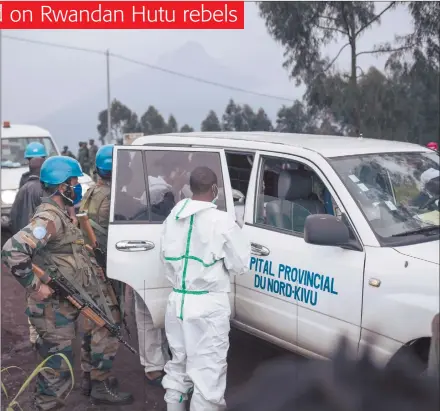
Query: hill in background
x=189, y=101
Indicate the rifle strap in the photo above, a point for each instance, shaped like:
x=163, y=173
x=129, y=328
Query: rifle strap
x=97, y=227
x=100, y=285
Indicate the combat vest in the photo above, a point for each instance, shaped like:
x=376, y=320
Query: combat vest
x=91, y=205
x=66, y=249
x=66, y=253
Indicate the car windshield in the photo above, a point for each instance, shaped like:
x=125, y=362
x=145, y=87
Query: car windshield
x=13, y=150
x=397, y=192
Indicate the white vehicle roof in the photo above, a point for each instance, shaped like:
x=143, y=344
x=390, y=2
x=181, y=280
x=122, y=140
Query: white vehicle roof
x=20, y=130
x=327, y=146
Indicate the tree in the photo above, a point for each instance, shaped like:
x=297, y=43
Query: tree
x=211, y=122
x=237, y=118
x=152, y=122
x=245, y=118
x=186, y=129
x=415, y=102
x=229, y=116
x=123, y=120
x=172, y=126
x=426, y=35
x=262, y=121
x=132, y=125
x=304, y=28
x=398, y=104
x=292, y=119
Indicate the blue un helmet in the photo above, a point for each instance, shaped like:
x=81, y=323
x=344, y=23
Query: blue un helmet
x=35, y=150
x=104, y=160
x=59, y=169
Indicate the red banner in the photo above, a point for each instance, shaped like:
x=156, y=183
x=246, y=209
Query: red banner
x=20, y=15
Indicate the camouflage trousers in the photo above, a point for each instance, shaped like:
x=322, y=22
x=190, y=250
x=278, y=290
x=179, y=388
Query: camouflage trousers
x=55, y=322
x=98, y=348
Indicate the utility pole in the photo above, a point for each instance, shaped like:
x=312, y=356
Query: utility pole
x=109, y=118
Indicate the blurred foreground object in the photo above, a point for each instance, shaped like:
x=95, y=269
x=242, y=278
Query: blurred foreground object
x=434, y=351
x=344, y=384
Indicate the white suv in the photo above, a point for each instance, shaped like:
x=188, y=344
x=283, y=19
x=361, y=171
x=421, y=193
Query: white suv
x=344, y=233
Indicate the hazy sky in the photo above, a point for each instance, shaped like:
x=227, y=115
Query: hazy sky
x=36, y=80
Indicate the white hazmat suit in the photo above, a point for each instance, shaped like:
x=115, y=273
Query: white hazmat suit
x=200, y=248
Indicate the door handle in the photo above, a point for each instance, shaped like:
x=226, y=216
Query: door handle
x=374, y=282
x=135, y=245
x=258, y=249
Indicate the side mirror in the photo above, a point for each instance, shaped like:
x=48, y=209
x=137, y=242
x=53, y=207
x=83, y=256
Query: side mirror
x=327, y=230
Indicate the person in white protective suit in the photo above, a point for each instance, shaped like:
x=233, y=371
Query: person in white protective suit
x=153, y=348
x=201, y=247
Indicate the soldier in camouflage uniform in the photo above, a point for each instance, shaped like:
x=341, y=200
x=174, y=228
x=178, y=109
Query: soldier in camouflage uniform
x=83, y=157
x=54, y=243
x=93, y=150
x=96, y=204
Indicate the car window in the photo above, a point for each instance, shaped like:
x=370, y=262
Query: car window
x=13, y=149
x=288, y=192
x=397, y=192
x=130, y=186
x=168, y=178
x=150, y=183
x=240, y=167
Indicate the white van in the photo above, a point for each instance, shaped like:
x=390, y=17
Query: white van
x=344, y=234
x=14, y=140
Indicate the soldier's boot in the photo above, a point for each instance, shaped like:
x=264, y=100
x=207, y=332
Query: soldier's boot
x=33, y=406
x=103, y=392
x=86, y=383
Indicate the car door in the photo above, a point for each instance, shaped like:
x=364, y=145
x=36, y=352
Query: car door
x=260, y=304
x=147, y=183
x=303, y=294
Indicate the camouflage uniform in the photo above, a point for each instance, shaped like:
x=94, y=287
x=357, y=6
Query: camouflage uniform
x=96, y=203
x=52, y=241
x=83, y=158
x=93, y=149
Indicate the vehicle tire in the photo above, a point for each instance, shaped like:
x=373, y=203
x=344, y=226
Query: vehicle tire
x=414, y=354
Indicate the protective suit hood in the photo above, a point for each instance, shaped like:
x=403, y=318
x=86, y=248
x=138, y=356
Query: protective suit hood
x=192, y=207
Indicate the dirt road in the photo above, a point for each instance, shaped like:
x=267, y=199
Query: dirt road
x=245, y=355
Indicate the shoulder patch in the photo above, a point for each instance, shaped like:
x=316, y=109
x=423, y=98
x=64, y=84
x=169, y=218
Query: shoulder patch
x=39, y=232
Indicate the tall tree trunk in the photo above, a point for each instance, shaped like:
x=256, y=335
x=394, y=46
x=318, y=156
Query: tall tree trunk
x=353, y=77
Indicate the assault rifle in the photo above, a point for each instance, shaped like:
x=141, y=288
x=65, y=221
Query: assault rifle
x=101, y=259
x=63, y=288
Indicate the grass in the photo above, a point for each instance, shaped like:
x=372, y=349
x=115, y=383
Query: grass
x=13, y=404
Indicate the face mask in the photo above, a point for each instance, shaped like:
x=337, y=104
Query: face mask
x=72, y=195
x=77, y=190
x=215, y=193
